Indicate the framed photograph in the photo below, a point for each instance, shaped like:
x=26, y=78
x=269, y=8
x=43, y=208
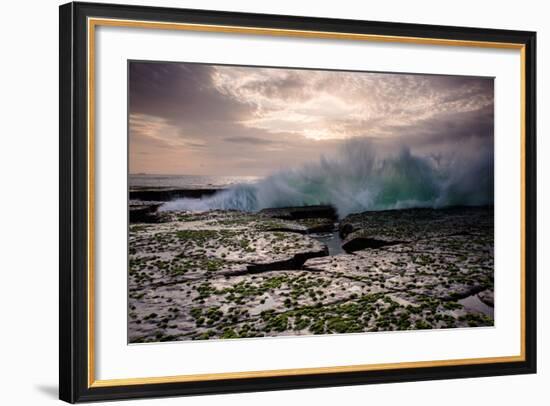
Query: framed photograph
x=257, y=202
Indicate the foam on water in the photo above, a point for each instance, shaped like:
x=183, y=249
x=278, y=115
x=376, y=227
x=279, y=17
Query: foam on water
x=364, y=177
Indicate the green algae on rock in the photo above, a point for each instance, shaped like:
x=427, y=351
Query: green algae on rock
x=231, y=274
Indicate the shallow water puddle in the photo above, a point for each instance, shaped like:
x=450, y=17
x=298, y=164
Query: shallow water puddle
x=474, y=303
x=331, y=240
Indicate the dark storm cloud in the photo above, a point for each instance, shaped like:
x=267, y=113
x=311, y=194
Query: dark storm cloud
x=238, y=120
x=178, y=92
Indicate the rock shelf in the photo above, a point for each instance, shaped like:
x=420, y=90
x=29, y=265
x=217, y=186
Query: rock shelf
x=230, y=274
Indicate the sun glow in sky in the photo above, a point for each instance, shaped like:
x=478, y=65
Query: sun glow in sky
x=225, y=120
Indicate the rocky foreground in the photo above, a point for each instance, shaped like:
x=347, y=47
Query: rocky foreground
x=229, y=274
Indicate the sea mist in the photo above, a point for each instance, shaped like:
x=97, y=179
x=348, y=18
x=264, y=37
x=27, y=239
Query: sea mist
x=365, y=176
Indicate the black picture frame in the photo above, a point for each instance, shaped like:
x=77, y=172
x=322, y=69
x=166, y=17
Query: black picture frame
x=74, y=383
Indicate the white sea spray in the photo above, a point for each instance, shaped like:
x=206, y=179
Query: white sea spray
x=363, y=176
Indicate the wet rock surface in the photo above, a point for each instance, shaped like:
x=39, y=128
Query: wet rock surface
x=299, y=213
x=167, y=194
x=144, y=212
x=229, y=274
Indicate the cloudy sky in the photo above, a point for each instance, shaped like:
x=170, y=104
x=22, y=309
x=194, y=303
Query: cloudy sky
x=225, y=120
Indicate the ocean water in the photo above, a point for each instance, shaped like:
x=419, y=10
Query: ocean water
x=359, y=178
x=188, y=181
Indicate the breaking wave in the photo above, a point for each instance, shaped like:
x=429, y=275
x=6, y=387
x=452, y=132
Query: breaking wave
x=364, y=177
